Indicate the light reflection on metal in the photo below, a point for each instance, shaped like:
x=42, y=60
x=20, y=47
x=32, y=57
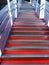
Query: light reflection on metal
x=30, y=1
x=42, y=9
x=15, y=8
x=48, y=23
x=36, y=5
x=0, y=53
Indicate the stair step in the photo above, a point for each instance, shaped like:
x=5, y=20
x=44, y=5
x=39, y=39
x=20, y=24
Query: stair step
x=30, y=25
x=35, y=29
x=26, y=56
x=10, y=44
x=27, y=47
x=27, y=51
x=29, y=61
x=42, y=28
x=29, y=41
x=38, y=36
x=30, y=32
x=27, y=25
x=28, y=38
x=23, y=64
x=25, y=34
x=29, y=22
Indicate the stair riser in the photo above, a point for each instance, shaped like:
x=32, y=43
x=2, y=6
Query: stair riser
x=29, y=33
x=29, y=23
x=24, y=64
x=32, y=27
x=26, y=61
x=29, y=29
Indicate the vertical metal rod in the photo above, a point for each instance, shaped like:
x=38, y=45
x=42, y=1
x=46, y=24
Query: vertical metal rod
x=48, y=23
x=9, y=11
x=19, y=3
x=30, y=1
x=42, y=9
x=15, y=8
x=0, y=52
x=36, y=5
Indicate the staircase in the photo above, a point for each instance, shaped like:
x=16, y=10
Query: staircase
x=28, y=42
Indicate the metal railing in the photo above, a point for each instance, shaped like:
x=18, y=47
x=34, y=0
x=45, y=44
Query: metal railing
x=5, y=22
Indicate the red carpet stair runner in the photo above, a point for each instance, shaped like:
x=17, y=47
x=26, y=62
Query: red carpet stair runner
x=28, y=44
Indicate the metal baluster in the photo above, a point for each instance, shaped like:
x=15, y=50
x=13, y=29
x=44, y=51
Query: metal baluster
x=9, y=11
x=15, y=8
x=36, y=5
x=48, y=23
x=30, y=1
x=19, y=3
x=42, y=9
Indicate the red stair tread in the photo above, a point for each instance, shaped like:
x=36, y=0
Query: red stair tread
x=29, y=31
x=26, y=52
x=10, y=44
x=26, y=29
x=0, y=60
x=27, y=38
x=28, y=61
x=29, y=28
x=29, y=25
x=22, y=19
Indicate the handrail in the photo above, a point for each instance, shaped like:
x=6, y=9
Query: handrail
x=5, y=12
x=4, y=36
x=3, y=24
x=46, y=8
x=3, y=16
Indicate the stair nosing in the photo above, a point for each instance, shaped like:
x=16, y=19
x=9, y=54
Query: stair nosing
x=41, y=36
x=29, y=41
x=30, y=31
x=27, y=47
x=26, y=56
